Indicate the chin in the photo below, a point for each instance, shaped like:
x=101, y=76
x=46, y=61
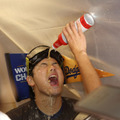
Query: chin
x=55, y=93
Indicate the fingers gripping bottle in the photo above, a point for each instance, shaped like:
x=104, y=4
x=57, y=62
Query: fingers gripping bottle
x=86, y=22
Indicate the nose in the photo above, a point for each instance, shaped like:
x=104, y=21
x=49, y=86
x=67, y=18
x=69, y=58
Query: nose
x=52, y=68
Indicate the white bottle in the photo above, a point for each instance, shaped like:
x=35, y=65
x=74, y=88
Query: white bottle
x=86, y=22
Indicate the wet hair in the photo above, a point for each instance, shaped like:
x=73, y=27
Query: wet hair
x=36, y=56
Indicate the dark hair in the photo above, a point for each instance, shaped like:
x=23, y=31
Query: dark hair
x=33, y=61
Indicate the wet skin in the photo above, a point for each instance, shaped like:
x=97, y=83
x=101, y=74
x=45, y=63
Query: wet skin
x=48, y=77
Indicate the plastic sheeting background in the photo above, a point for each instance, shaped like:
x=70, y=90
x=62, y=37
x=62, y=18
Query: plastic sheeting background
x=26, y=24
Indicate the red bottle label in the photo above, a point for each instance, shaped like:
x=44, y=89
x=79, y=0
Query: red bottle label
x=83, y=22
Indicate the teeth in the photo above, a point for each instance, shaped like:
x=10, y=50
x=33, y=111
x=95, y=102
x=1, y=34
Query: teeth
x=53, y=76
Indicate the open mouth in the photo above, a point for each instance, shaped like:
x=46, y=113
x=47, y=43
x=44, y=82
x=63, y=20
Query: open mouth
x=53, y=80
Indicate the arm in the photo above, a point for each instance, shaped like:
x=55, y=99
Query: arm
x=77, y=43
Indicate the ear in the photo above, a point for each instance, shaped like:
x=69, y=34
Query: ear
x=30, y=81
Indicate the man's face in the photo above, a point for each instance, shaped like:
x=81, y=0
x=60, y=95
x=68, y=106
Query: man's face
x=48, y=77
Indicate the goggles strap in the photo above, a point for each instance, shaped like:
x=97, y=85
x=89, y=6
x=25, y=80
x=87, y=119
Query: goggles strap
x=27, y=65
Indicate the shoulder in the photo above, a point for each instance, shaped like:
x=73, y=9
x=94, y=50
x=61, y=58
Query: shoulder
x=20, y=111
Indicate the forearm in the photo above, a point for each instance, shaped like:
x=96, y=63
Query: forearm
x=77, y=44
x=90, y=77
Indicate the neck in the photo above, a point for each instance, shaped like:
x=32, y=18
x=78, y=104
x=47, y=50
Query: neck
x=49, y=105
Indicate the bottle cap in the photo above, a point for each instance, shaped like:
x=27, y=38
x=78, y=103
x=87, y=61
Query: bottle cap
x=59, y=42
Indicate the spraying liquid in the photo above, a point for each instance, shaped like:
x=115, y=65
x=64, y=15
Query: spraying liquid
x=50, y=101
x=50, y=96
x=86, y=22
x=49, y=58
x=50, y=107
x=49, y=52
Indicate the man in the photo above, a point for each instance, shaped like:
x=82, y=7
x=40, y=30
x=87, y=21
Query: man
x=46, y=79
